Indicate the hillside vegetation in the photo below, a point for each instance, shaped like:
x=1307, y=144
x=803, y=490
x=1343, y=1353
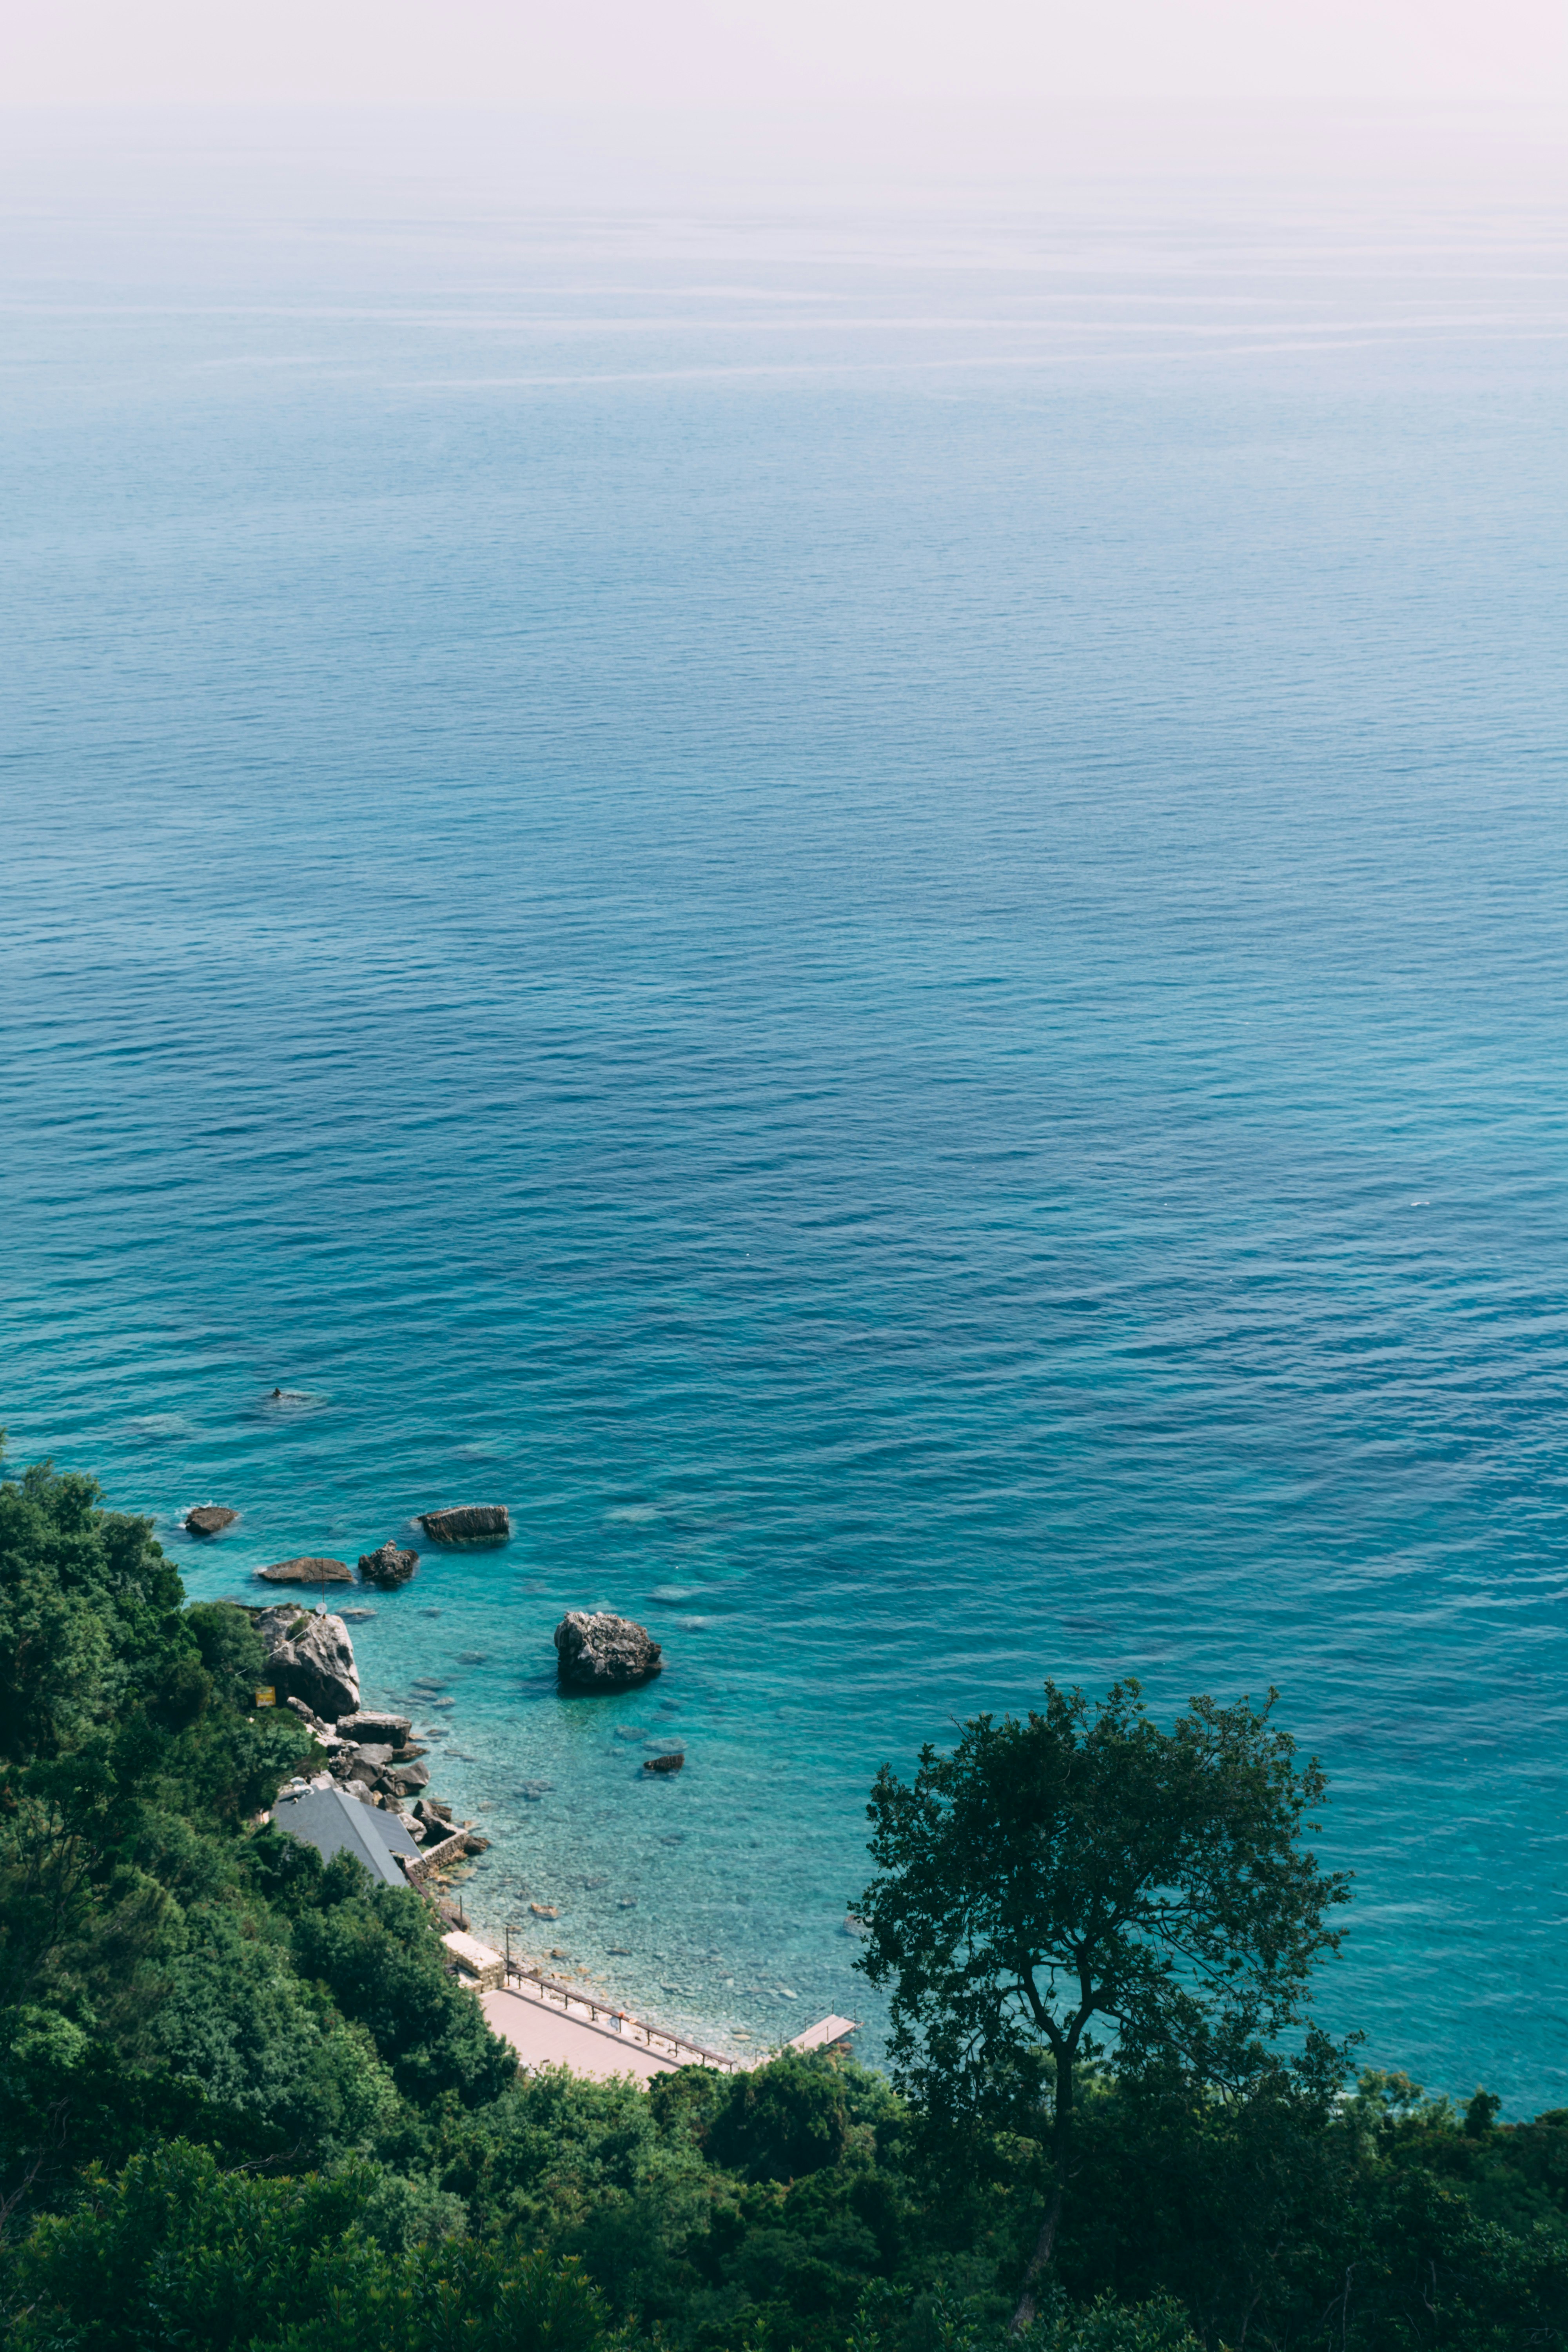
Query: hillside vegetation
x=243, y=2104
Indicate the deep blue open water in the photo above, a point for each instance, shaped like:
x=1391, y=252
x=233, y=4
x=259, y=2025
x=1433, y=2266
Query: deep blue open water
x=870, y=910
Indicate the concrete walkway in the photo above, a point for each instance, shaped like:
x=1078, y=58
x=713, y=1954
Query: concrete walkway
x=549, y=2024
x=550, y=2033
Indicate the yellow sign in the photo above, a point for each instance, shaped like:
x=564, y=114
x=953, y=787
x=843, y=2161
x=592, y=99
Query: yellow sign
x=267, y=1697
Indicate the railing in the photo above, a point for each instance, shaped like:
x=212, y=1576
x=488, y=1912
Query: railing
x=610, y=2020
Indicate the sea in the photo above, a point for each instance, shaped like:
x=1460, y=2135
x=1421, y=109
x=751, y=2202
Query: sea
x=859, y=890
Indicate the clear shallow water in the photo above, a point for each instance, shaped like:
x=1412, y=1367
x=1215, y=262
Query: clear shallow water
x=868, y=911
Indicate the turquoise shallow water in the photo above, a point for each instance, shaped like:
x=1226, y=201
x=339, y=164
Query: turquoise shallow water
x=871, y=912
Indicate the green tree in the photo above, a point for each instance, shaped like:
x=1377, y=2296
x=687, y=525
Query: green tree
x=377, y=1951
x=232, y=1650
x=89, y=1614
x=782, y=2121
x=1084, y=1865
x=176, y=2251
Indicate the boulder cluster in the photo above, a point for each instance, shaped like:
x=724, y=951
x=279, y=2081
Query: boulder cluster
x=311, y=1666
x=311, y=1662
x=466, y=1526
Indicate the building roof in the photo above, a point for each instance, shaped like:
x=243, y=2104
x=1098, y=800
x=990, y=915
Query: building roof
x=331, y=1820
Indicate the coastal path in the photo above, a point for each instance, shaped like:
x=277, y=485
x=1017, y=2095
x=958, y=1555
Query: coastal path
x=553, y=2024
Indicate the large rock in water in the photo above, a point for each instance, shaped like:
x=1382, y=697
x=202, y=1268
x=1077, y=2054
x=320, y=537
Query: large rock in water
x=596, y=1652
x=388, y=1566
x=467, y=1523
x=305, y=1570
x=210, y=1518
x=311, y=1657
x=375, y=1724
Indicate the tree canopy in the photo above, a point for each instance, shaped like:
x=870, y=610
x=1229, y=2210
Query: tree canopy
x=243, y=2104
x=1082, y=1865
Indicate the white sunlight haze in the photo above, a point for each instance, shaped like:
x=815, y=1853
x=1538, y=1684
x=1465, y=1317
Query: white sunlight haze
x=714, y=53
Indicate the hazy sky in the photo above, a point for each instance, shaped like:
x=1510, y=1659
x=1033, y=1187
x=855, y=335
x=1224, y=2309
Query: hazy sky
x=669, y=53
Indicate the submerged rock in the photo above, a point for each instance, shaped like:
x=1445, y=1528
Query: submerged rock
x=597, y=1651
x=310, y=1656
x=305, y=1570
x=663, y=1763
x=210, y=1518
x=387, y=1565
x=467, y=1523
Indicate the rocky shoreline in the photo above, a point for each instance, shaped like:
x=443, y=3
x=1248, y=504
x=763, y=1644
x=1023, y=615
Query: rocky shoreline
x=370, y=1752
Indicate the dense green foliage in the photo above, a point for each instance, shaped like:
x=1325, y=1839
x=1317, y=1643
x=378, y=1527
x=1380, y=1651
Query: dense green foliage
x=1085, y=1864
x=243, y=2105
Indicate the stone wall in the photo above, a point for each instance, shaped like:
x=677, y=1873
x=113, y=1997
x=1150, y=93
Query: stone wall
x=436, y=1857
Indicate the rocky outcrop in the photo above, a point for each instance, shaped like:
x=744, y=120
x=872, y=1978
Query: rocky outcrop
x=597, y=1651
x=663, y=1763
x=210, y=1518
x=311, y=1657
x=371, y=1724
x=305, y=1570
x=310, y=1718
x=467, y=1524
x=388, y=1566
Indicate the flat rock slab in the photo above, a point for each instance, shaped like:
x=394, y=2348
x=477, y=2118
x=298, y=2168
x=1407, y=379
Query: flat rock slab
x=369, y=1724
x=210, y=1518
x=597, y=1651
x=308, y=1571
x=388, y=1566
x=467, y=1523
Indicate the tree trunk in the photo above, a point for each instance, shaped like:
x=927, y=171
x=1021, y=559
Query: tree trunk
x=1028, y=2309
